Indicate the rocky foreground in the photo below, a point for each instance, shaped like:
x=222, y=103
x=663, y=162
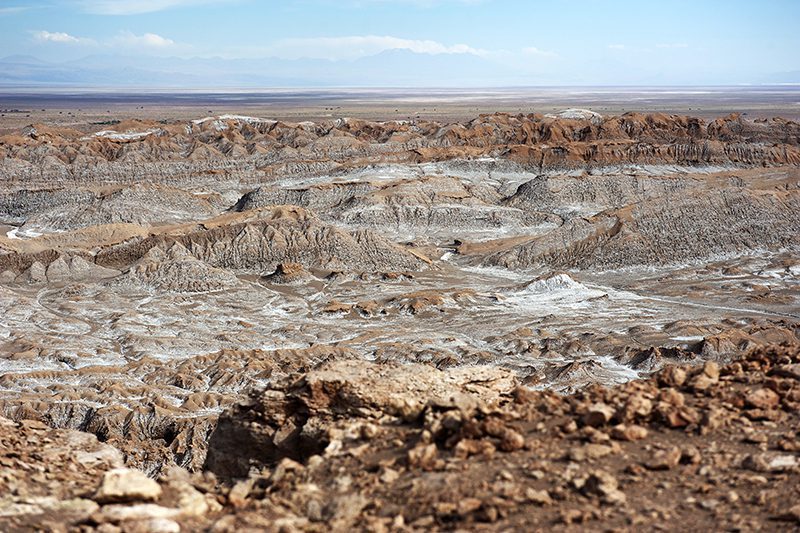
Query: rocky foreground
x=515, y=322
x=398, y=448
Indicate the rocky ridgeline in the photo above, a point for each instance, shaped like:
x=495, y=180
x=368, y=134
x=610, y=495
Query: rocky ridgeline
x=286, y=233
x=365, y=446
x=49, y=210
x=603, y=221
x=240, y=146
x=198, y=258
x=428, y=206
x=666, y=229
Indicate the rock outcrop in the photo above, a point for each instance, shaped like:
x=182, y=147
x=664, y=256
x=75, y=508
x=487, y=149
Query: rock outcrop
x=367, y=446
x=236, y=146
x=660, y=231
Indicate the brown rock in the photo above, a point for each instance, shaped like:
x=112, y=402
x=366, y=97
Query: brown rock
x=152, y=525
x=117, y=513
x=664, y=459
x=762, y=399
x=672, y=376
x=637, y=406
x=691, y=455
x=127, y=485
x=539, y=497
x=764, y=462
x=468, y=447
x=598, y=414
x=238, y=494
x=422, y=456
x=628, y=432
x=677, y=416
x=713, y=418
x=468, y=505
x=706, y=378
x=510, y=439
x=335, y=306
x=605, y=485
x=590, y=451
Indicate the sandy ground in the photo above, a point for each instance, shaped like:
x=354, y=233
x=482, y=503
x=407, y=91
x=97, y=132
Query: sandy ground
x=77, y=108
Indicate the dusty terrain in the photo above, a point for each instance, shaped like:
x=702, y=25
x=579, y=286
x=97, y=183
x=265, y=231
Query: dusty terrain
x=401, y=324
x=83, y=108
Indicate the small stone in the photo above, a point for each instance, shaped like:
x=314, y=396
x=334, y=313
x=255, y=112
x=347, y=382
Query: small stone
x=598, y=414
x=314, y=510
x=422, y=456
x=369, y=431
x=755, y=437
x=664, y=459
x=701, y=382
x=539, y=497
x=570, y=426
x=127, y=485
x=590, y=451
x=781, y=463
x=572, y=516
x=709, y=505
x=468, y=505
x=389, y=475
x=672, y=397
x=603, y=484
x=677, y=416
x=445, y=508
x=711, y=370
x=399, y=522
x=511, y=440
x=468, y=447
x=638, y=406
x=762, y=399
x=713, y=418
x=153, y=525
x=141, y=511
x=238, y=494
x=626, y=432
x=672, y=376
x=284, y=467
x=769, y=463
x=190, y=501
x=691, y=455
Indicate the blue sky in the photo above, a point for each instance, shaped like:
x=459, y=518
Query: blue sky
x=580, y=42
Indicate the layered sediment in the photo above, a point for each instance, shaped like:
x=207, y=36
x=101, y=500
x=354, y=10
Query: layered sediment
x=514, y=322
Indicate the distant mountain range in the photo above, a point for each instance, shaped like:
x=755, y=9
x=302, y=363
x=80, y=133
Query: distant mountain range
x=390, y=68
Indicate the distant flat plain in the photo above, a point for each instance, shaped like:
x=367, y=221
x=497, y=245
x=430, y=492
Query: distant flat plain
x=88, y=108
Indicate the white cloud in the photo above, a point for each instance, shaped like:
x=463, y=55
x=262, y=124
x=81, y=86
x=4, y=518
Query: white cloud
x=149, y=40
x=137, y=7
x=353, y=47
x=533, y=51
x=672, y=45
x=59, y=37
x=616, y=46
x=12, y=10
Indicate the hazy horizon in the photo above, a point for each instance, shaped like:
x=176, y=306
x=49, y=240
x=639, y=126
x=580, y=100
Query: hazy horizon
x=396, y=43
